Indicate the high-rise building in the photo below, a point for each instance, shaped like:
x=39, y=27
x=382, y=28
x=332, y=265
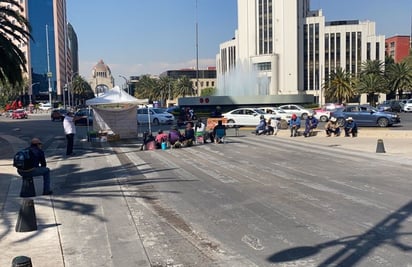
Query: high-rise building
x=398, y=47
x=49, y=55
x=284, y=48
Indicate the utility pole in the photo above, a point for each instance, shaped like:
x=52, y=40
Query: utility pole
x=49, y=74
x=197, y=54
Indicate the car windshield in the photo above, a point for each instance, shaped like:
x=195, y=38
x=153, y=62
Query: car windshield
x=159, y=110
x=259, y=111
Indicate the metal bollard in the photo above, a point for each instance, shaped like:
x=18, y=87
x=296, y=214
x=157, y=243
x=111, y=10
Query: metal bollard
x=380, y=148
x=26, y=221
x=21, y=261
x=27, y=187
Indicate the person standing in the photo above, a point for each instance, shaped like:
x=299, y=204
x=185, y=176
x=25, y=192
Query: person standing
x=39, y=165
x=70, y=131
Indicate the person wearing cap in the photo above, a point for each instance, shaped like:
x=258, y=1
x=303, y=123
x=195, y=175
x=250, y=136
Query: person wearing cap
x=310, y=124
x=261, y=128
x=294, y=125
x=70, y=130
x=332, y=127
x=39, y=165
x=350, y=127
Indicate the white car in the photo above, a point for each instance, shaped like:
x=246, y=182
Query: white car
x=322, y=114
x=44, y=106
x=246, y=116
x=157, y=116
x=297, y=109
x=407, y=107
x=278, y=112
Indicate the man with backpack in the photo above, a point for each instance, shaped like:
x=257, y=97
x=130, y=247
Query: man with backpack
x=36, y=165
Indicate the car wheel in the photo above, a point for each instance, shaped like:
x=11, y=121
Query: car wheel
x=156, y=121
x=383, y=122
x=323, y=118
x=230, y=122
x=341, y=122
x=304, y=116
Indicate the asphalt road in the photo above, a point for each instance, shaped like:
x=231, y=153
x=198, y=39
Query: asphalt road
x=250, y=202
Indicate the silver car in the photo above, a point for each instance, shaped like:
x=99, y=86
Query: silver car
x=297, y=109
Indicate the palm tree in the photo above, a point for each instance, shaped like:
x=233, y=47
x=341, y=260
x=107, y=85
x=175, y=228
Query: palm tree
x=399, y=76
x=165, y=87
x=81, y=89
x=373, y=67
x=14, y=29
x=146, y=88
x=339, y=86
x=371, y=84
x=184, y=87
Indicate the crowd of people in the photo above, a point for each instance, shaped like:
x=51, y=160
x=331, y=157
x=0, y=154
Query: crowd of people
x=193, y=133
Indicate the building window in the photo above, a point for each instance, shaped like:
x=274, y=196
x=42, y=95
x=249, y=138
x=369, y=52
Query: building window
x=264, y=66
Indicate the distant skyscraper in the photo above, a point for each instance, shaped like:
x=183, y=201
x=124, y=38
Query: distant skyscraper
x=49, y=53
x=290, y=49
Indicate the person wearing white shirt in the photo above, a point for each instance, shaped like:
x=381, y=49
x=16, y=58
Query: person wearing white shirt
x=70, y=130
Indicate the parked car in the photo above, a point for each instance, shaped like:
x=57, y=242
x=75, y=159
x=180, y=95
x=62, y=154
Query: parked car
x=390, y=105
x=407, y=107
x=321, y=114
x=84, y=112
x=285, y=117
x=157, y=116
x=19, y=114
x=44, y=106
x=365, y=115
x=246, y=116
x=58, y=114
x=297, y=109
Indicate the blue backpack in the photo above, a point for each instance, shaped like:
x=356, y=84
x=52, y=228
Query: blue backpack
x=23, y=160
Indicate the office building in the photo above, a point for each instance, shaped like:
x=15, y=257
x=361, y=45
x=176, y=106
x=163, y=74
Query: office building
x=284, y=48
x=398, y=47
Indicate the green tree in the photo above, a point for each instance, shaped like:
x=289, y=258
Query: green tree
x=14, y=29
x=371, y=84
x=166, y=89
x=399, y=77
x=209, y=91
x=81, y=90
x=339, y=86
x=184, y=87
x=147, y=88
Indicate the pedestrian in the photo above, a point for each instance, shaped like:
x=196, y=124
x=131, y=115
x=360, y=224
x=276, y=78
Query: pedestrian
x=39, y=165
x=70, y=130
x=332, y=127
x=294, y=125
x=351, y=127
x=310, y=124
x=261, y=127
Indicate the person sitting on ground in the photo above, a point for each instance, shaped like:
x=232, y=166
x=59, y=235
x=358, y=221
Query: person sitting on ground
x=332, y=127
x=39, y=165
x=310, y=124
x=274, y=126
x=189, y=135
x=148, y=141
x=351, y=127
x=200, y=130
x=175, y=137
x=218, y=138
x=261, y=128
x=160, y=138
x=294, y=125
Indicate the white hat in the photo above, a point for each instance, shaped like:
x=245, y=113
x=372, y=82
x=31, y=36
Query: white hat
x=333, y=119
x=349, y=119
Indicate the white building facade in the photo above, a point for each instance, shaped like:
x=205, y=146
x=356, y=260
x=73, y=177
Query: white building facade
x=289, y=49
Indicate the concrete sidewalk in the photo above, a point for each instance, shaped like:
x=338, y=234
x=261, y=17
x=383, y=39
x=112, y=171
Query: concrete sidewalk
x=78, y=214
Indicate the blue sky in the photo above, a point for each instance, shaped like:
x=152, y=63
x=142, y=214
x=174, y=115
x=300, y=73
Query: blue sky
x=136, y=37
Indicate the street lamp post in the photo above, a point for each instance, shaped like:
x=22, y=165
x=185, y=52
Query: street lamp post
x=126, y=83
x=31, y=91
x=69, y=89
